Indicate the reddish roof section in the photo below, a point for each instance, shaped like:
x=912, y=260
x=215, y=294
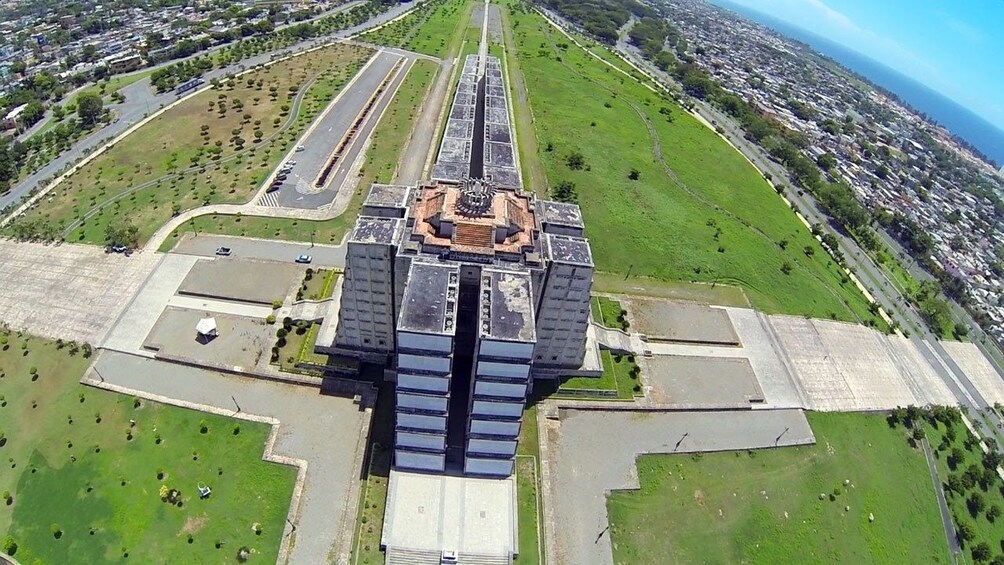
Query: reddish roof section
x=439, y=221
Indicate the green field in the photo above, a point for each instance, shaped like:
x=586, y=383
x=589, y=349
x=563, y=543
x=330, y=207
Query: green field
x=87, y=466
x=697, y=211
x=162, y=168
x=428, y=29
x=765, y=507
x=388, y=141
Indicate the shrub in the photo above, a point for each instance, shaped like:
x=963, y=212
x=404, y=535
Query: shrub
x=56, y=531
x=9, y=545
x=203, y=426
x=270, y=319
x=281, y=333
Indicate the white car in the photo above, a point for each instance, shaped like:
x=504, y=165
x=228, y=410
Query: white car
x=300, y=148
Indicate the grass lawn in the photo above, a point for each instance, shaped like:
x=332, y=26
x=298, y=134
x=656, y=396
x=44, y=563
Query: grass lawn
x=764, y=506
x=527, y=492
x=195, y=154
x=607, y=312
x=84, y=482
x=382, y=157
x=320, y=284
x=698, y=210
x=616, y=382
x=428, y=29
x=534, y=175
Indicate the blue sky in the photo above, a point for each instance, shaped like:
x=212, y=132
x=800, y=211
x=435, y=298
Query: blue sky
x=953, y=46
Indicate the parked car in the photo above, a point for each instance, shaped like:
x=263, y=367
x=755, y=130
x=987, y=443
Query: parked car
x=281, y=177
x=224, y=251
x=304, y=259
x=117, y=248
x=300, y=148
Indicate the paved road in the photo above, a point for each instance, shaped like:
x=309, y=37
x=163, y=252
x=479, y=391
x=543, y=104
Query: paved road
x=299, y=189
x=269, y=250
x=325, y=431
x=594, y=452
x=140, y=100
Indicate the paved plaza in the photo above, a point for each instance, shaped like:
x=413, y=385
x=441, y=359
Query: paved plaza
x=682, y=321
x=833, y=366
x=593, y=452
x=242, y=280
x=67, y=291
x=241, y=342
x=703, y=382
x=328, y=432
x=262, y=249
x=979, y=370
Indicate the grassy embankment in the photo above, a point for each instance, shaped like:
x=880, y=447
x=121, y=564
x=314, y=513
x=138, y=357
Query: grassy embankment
x=203, y=150
x=388, y=141
x=696, y=211
x=86, y=467
x=766, y=506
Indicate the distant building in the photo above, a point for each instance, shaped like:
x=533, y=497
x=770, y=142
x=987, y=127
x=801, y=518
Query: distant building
x=467, y=288
x=124, y=63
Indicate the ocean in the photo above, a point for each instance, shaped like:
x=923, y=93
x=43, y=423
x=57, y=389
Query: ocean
x=959, y=120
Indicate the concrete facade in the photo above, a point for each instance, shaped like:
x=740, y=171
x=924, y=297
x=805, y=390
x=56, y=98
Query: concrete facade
x=467, y=287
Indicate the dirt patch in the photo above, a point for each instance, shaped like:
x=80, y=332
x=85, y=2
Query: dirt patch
x=699, y=498
x=193, y=524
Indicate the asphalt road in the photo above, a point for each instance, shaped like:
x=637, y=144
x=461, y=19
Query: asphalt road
x=141, y=100
x=267, y=250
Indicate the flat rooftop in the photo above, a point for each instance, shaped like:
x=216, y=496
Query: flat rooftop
x=560, y=213
x=376, y=230
x=506, y=306
x=440, y=512
x=430, y=298
x=388, y=196
x=567, y=249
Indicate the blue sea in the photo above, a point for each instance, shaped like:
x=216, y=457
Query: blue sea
x=957, y=119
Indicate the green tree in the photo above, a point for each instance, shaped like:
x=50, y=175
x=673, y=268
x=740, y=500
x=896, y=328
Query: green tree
x=89, y=107
x=122, y=234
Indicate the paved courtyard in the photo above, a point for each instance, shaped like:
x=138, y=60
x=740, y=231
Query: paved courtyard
x=239, y=346
x=682, y=321
x=592, y=452
x=700, y=382
x=242, y=280
x=67, y=291
x=845, y=366
x=979, y=370
x=327, y=432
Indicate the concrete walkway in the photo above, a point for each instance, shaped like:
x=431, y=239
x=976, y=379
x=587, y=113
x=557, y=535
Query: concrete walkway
x=326, y=433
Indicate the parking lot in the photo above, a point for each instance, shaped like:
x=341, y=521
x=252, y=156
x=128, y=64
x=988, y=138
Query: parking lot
x=299, y=187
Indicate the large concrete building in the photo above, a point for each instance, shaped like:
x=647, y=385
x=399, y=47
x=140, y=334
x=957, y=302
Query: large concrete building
x=467, y=288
